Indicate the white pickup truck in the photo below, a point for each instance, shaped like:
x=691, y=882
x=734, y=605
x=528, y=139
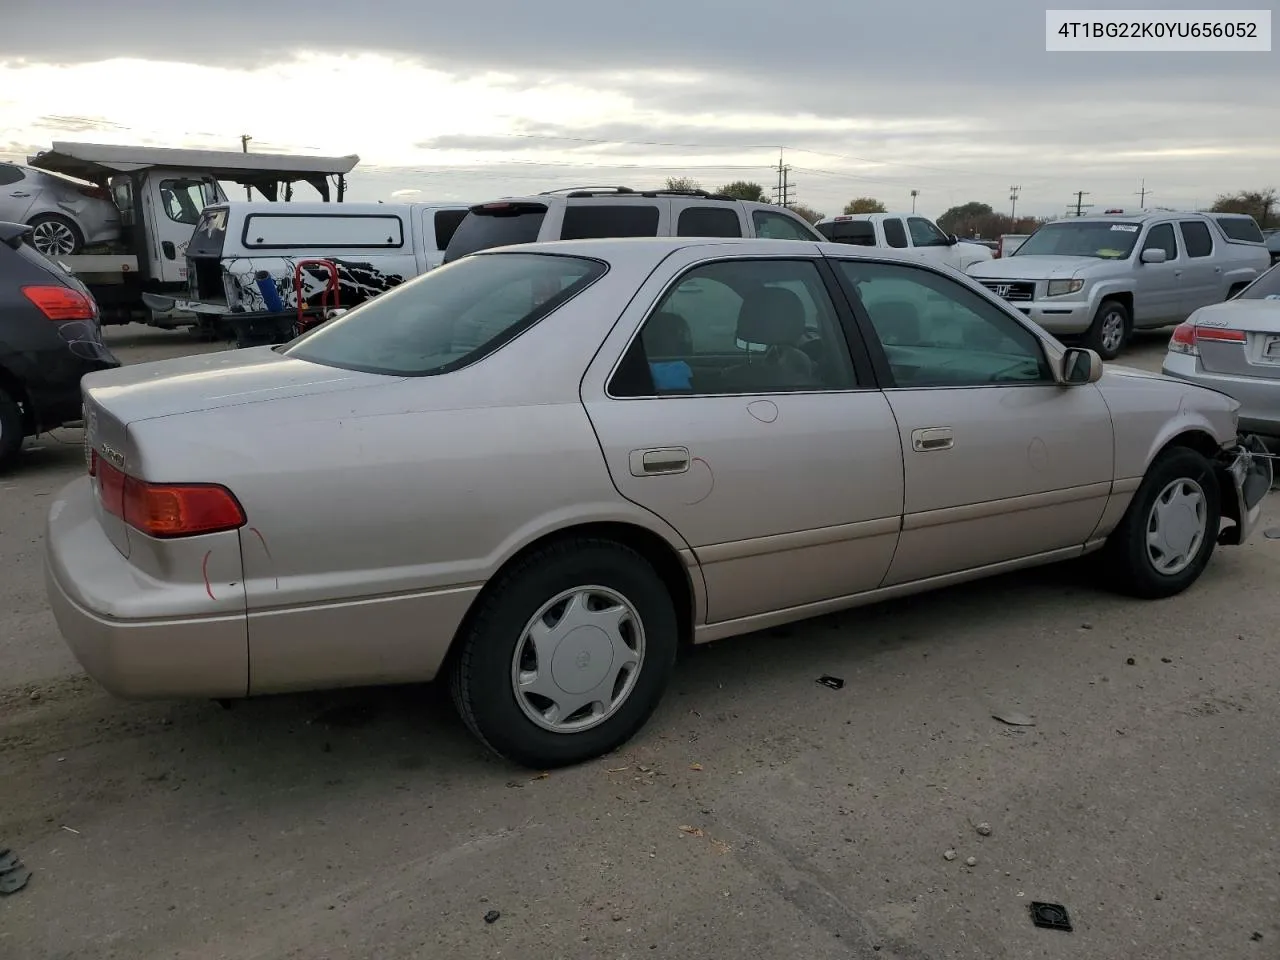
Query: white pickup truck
x=903, y=231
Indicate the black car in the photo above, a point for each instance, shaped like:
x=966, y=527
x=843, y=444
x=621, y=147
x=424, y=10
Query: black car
x=49, y=338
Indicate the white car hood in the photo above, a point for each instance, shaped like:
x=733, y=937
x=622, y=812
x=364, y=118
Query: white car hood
x=1031, y=268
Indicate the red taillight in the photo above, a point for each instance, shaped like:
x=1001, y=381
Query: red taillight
x=1187, y=337
x=1220, y=335
x=61, y=303
x=497, y=205
x=1184, y=335
x=166, y=510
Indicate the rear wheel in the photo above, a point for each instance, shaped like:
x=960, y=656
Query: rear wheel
x=567, y=655
x=55, y=235
x=1167, y=535
x=1110, y=329
x=10, y=430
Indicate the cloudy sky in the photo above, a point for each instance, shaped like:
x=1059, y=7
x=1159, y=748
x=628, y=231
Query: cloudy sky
x=499, y=97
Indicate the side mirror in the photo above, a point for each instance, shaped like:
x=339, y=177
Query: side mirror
x=1080, y=366
x=952, y=239
x=1154, y=255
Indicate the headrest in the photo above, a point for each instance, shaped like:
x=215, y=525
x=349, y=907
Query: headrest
x=667, y=335
x=772, y=316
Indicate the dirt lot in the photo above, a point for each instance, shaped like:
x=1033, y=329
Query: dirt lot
x=759, y=814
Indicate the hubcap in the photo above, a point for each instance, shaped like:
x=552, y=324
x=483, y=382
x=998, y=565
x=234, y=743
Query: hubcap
x=1176, y=526
x=52, y=237
x=1112, y=330
x=578, y=659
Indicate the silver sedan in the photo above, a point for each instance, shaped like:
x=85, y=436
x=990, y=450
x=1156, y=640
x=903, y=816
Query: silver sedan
x=1234, y=347
x=540, y=470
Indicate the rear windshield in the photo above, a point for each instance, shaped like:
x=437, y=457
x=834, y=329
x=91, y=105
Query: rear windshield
x=1240, y=228
x=449, y=317
x=858, y=233
x=1266, y=287
x=210, y=231
x=483, y=229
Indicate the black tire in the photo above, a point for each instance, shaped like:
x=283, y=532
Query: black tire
x=54, y=219
x=1100, y=337
x=481, y=681
x=11, y=431
x=1129, y=565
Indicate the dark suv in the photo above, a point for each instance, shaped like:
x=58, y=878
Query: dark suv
x=49, y=338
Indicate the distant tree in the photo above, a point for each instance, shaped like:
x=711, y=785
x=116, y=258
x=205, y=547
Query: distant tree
x=744, y=190
x=1256, y=203
x=808, y=213
x=683, y=183
x=953, y=220
x=864, y=205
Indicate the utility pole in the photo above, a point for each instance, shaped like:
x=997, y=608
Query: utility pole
x=244, y=148
x=1080, y=204
x=1013, y=208
x=1142, y=193
x=782, y=192
x=914, y=194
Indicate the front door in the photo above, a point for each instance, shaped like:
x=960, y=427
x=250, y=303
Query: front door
x=931, y=244
x=1158, y=291
x=174, y=201
x=1001, y=462
x=739, y=415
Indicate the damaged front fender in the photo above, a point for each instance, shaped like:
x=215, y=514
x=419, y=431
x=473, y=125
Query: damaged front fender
x=1247, y=473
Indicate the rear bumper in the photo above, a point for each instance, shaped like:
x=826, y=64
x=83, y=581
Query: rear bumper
x=92, y=587
x=1259, y=399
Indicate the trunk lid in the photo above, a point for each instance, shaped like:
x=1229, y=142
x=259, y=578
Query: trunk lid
x=1258, y=355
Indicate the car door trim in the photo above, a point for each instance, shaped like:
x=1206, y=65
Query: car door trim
x=991, y=508
x=797, y=540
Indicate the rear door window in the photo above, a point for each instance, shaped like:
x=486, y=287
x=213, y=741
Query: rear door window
x=446, y=224
x=588, y=221
x=9, y=173
x=1196, y=238
x=856, y=233
x=895, y=234
x=778, y=226
x=495, y=225
x=708, y=222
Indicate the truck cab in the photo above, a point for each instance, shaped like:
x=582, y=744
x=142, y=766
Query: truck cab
x=161, y=194
x=904, y=231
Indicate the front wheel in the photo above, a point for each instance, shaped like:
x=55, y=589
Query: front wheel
x=1109, y=331
x=567, y=655
x=1167, y=535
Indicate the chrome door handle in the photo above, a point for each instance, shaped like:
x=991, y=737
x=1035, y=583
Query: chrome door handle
x=1177, y=273
x=18, y=193
x=928, y=439
x=658, y=460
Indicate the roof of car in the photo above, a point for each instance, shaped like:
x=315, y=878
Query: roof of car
x=656, y=248
x=1141, y=216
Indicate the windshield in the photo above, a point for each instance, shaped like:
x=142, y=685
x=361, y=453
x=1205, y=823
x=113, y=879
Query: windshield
x=1105, y=240
x=447, y=318
x=1266, y=287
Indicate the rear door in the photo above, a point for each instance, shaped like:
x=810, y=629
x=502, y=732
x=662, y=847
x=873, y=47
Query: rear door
x=780, y=465
x=17, y=193
x=1202, y=278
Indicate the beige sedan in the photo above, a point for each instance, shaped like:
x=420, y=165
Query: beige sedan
x=542, y=469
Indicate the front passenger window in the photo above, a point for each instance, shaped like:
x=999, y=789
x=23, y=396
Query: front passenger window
x=936, y=332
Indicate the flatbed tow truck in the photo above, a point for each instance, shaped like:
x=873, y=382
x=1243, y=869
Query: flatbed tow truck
x=160, y=193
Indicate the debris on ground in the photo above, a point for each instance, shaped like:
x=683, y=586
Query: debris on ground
x=695, y=766
x=692, y=831
x=1131, y=661
x=1051, y=916
x=1256, y=936
x=1272, y=533
x=971, y=862
x=984, y=829
x=13, y=875
x=1086, y=626
x=1166, y=660
x=492, y=916
x=949, y=855
x=1014, y=718
x=541, y=776
x=835, y=683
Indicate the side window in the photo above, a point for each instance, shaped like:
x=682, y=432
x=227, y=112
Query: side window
x=708, y=222
x=739, y=327
x=585, y=221
x=778, y=226
x=9, y=173
x=1161, y=238
x=1196, y=238
x=446, y=224
x=183, y=200
x=925, y=234
x=938, y=333
x=894, y=234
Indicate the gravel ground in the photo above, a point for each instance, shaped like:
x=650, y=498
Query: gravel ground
x=759, y=814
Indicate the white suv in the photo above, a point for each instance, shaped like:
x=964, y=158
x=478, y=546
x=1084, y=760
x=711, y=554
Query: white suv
x=581, y=213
